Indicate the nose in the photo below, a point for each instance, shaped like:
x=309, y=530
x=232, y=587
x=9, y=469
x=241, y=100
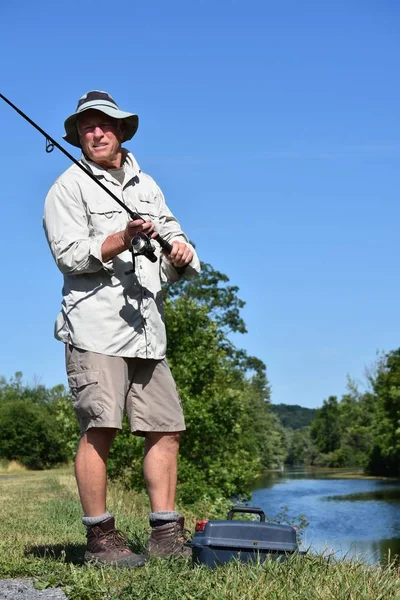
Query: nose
x=97, y=131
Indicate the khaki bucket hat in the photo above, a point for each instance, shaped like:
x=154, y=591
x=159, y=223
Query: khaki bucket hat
x=102, y=101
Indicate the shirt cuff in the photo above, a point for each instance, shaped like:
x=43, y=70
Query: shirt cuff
x=95, y=252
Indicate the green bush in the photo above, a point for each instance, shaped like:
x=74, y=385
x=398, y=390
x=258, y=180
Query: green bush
x=30, y=435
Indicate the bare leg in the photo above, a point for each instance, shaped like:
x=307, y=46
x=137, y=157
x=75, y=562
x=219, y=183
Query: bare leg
x=160, y=468
x=91, y=469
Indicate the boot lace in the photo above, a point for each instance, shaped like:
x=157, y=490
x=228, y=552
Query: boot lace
x=116, y=538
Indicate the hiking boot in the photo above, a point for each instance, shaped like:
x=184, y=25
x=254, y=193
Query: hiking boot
x=108, y=546
x=170, y=539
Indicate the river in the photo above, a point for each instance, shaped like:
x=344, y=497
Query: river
x=347, y=517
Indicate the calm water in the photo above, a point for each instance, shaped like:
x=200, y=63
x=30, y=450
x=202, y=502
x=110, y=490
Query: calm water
x=347, y=517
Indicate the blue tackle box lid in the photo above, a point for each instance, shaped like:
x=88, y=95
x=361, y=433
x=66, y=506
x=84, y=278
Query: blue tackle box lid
x=246, y=535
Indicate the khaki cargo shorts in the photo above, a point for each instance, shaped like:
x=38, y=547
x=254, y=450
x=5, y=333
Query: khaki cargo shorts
x=104, y=387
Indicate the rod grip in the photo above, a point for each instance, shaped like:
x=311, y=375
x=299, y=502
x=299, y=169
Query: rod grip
x=164, y=244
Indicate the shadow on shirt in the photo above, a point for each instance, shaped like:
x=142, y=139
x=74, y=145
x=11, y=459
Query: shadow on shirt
x=132, y=289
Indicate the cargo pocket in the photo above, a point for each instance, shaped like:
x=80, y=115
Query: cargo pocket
x=85, y=392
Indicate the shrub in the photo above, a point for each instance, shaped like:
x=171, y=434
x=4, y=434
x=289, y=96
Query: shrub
x=29, y=435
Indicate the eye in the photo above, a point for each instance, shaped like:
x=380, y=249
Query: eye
x=90, y=128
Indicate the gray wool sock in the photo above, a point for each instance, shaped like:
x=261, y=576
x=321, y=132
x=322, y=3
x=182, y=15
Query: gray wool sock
x=90, y=521
x=162, y=517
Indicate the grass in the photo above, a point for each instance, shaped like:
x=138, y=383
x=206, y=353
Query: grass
x=10, y=466
x=43, y=538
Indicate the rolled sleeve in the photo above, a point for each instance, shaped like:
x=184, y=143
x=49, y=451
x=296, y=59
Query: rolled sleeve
x=65, y=222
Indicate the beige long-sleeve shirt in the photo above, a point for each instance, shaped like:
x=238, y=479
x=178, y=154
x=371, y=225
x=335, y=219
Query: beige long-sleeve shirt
x=105, y=307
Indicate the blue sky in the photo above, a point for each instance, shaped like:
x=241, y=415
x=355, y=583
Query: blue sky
x=273, y=130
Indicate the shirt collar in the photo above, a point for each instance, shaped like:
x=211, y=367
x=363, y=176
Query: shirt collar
x=129, y=163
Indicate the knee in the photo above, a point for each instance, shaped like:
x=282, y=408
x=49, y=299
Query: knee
x=100, y=438
x=167, y=440
x=175, y=436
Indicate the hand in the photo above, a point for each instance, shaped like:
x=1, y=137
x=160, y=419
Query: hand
x=181, y=254
x=134, y=228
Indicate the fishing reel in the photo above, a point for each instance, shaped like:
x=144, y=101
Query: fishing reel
x=142, y=246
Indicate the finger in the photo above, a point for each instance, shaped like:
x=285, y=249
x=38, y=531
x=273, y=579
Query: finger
x=148, y=227
x=177, y=251
x=185, y=260
x=182, y=255
x=134, y=227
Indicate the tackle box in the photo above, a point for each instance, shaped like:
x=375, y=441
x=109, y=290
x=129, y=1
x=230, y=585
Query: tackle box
x=219, y=541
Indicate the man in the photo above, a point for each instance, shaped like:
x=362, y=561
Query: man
x=112, y=322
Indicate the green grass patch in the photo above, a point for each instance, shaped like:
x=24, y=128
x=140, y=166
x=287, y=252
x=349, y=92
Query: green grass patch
x=43, y=538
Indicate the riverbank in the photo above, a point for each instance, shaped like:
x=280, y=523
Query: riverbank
x=330, y=473
x=358, y=475
x=43, y=539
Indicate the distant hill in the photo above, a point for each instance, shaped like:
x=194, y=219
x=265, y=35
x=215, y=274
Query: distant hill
x=293, y=416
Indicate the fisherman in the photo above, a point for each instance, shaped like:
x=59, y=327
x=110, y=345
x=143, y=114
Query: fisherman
x=112, y=322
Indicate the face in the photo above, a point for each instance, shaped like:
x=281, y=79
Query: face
x=100, y=137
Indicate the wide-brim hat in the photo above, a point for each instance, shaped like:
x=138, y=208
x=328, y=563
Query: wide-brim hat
x=102, y=101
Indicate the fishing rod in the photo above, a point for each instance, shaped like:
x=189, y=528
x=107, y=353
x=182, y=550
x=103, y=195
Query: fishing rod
x=141, y=245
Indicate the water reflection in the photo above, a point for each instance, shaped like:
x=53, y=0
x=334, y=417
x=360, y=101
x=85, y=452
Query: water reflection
x=392, y=494
x=347, y=517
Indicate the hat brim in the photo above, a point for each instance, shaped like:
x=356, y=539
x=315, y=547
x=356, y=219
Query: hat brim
x=131, y=123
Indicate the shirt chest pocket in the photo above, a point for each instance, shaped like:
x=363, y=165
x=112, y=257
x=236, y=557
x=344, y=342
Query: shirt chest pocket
x=104, y=219
x=147, y=210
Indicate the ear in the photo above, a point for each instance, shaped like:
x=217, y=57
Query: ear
x=78, y=132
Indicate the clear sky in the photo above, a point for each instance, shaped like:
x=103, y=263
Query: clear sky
x=273, y=129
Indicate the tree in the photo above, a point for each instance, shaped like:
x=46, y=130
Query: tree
x=210, y=289
x=225, y=391
x=325, y=429
x=385, y=454
x=356, y=414
x=342, y=431
x=300, y=450
x=293, y=415
x=217, y=456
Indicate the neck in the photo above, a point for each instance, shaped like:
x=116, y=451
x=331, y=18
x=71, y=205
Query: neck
x=114, y=163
